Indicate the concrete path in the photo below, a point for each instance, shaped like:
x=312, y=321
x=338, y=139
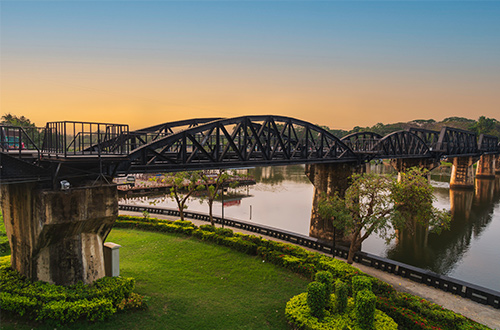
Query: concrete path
x=483, y=314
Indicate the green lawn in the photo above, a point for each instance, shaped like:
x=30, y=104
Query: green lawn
x=195, y=285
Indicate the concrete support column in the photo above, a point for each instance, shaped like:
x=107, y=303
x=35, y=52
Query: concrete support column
x=328, y=178
x=404, y=164
x=58, y=236
x=462, y=173
x=486, y=167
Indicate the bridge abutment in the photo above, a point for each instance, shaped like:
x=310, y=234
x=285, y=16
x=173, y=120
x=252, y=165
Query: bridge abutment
x=58, y=236
x=462, y=172
x=328, y=178
x=486, y=167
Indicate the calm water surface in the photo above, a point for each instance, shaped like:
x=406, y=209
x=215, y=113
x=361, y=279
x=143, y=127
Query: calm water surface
x=469, y=251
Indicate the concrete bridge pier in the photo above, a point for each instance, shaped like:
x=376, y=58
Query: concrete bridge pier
x=404, y=164
x=462, y=172
x=329, y=178
x=486, y=167
x=58, y=236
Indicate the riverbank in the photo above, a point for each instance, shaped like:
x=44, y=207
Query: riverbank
x=480, y=313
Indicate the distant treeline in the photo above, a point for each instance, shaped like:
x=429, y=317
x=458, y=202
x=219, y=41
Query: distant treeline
x=481, y=126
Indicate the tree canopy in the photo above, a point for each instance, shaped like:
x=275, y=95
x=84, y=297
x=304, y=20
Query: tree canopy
x=10, y=119
x=377, y=204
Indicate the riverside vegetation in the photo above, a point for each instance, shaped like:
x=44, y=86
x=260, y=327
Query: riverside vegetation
x=176, y=291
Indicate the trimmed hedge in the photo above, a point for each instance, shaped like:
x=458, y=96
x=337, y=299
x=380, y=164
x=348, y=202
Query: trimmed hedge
x=57, y=304
x=341, y=294
x=298, y=313
x=365, y=308
x=316, y=298
x=307, y=263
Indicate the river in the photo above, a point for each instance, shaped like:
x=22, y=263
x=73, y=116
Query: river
x=469, y=251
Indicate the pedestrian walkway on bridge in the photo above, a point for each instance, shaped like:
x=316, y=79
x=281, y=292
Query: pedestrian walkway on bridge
x=483, y=314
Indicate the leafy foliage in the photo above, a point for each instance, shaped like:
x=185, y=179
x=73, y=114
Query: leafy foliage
x=413, y=197
x=341, y=293
x=365, y=308
x=14, y=120
x=376, y=204
x=184, y=184
x=59, y=305
x=213, y=182
x=365, y=209
x=316, y=298
x=360, y=283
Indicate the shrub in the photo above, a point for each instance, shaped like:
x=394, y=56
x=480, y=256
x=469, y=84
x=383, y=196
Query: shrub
x=224, y=232
x=134, y=301
x=341, y=293
x=62, y=312
x=59, y=304
x=365, y=308
x=207, y=228
x=326, y=278
x=316, y=293
x=360, y=283
x=299, y=315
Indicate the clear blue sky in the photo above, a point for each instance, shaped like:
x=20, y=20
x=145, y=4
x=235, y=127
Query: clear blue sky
x=335, y=63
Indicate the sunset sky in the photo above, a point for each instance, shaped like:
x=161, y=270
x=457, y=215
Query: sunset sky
x=335, y=63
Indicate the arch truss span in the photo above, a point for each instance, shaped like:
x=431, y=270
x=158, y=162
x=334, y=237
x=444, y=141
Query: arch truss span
x=240, y=142
x=401, y=144
x=362, y=143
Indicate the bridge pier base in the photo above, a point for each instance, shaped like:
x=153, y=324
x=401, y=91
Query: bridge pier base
x=486, y=167
x=404, y=164
x=328, y=178
x=58, y=236
x=462, y=173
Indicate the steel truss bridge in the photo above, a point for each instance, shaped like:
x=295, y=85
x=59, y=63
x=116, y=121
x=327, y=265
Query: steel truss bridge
x=85, y=150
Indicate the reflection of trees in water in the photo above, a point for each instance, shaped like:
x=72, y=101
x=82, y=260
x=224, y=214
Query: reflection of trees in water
x=472, y=212
x=274, y=175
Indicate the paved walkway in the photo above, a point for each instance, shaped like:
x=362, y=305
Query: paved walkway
x=483, y=314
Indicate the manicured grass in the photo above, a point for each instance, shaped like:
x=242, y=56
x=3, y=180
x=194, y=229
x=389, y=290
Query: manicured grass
x=196, y=285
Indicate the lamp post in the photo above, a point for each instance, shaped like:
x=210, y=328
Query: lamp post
x=222, y=205
x=334, y=234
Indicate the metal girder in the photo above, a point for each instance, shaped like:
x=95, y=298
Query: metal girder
x=457, y=142
x=248, y=140
x=430, y=137
x=402, y=144
x=488, y=144
x=362, y=142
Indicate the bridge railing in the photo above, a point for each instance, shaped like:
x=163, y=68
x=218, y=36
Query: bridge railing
x=15, y=139
x=85, y=138
x=464, y=289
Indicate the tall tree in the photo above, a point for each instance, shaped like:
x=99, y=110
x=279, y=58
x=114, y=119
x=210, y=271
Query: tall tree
x=412, y=197
x=14, y=120
x=485, y=126
x=184, y=184
x=213, y=183
x=377, y=204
